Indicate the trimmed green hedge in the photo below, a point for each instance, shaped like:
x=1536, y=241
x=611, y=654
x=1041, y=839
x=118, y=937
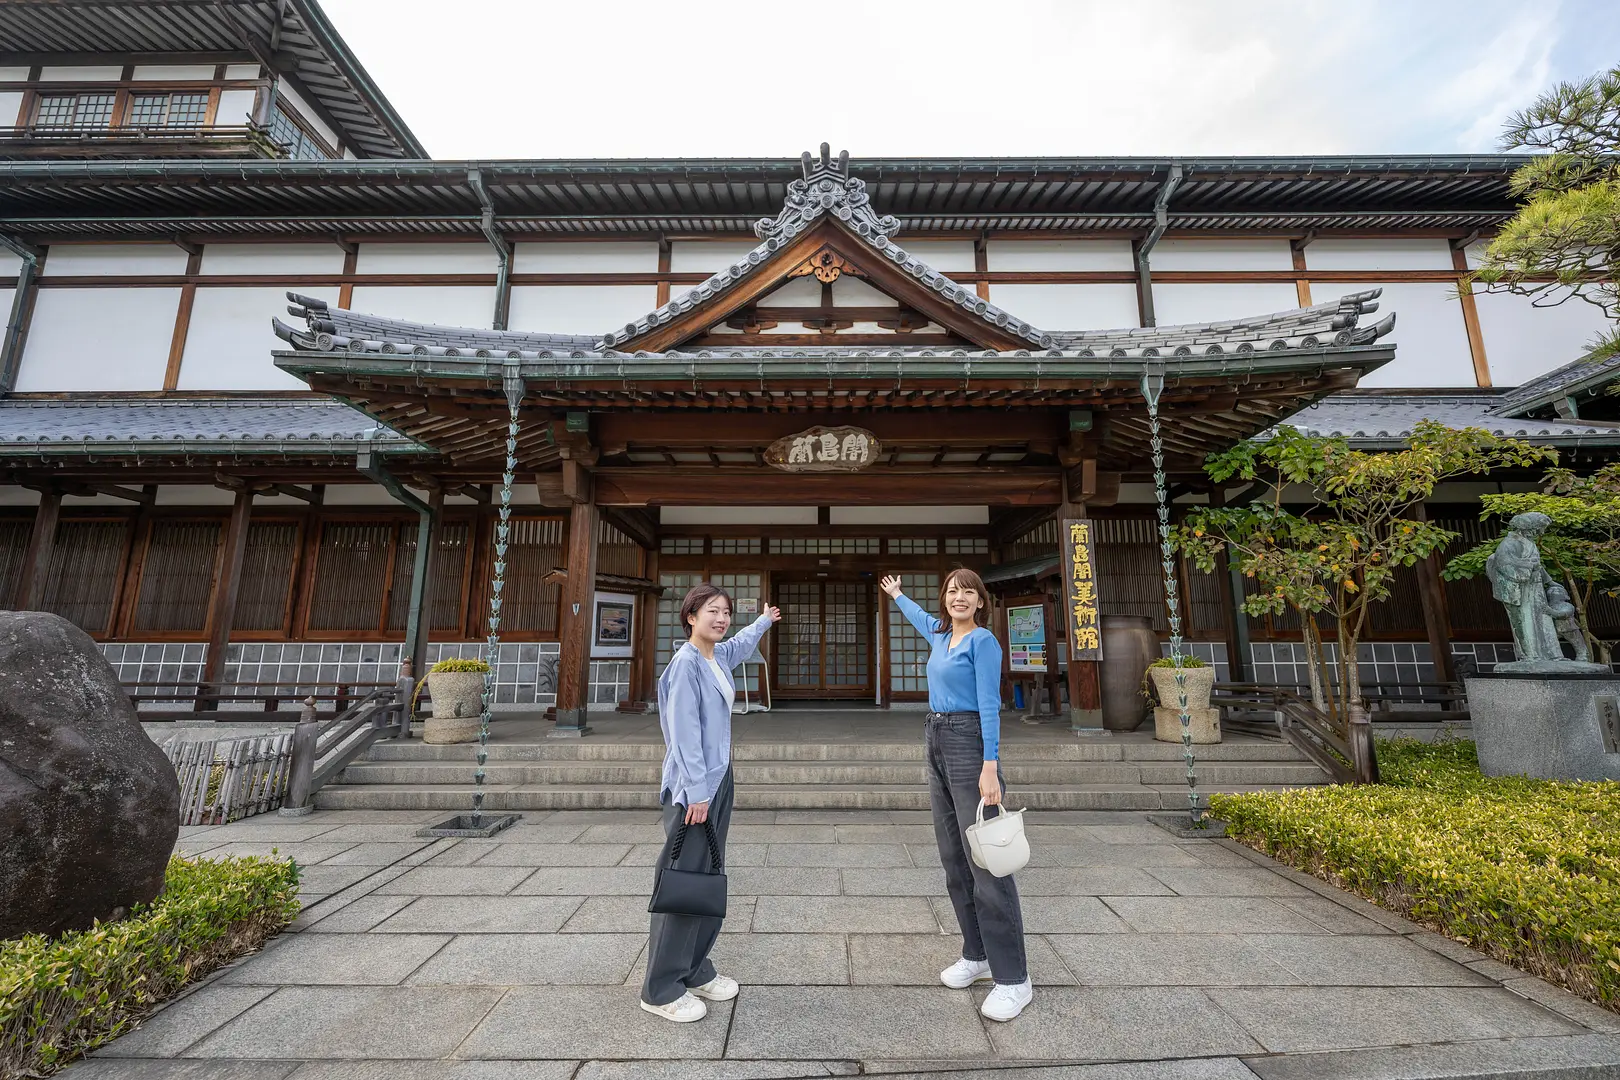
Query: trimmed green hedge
x=1526, y=871
x=61, y=997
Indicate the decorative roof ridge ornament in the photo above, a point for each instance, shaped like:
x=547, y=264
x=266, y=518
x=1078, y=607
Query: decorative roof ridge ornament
x=827, y=188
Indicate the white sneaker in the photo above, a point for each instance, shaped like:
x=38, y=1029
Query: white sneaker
x=1006, y=1002
x=718, y=988
x=964, y=973
x=683, y=1010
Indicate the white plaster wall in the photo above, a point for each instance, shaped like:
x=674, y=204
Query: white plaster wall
x=175, y=72
x=1378, y=254
x=799, y=292
x=10, y=108
x=853, y=292
x=6, y=295
x=195, y=495
x=18, y=496
x=1070, y=307
x=365, y=495
x=458, y=258
x=85, y=260
x=1260, y=254
x=11, y=73
x=99, y=339
x=229, y=341
x=1432, y=343
x=1475, y=254
x=579, y=309
x=737, y=515
x=584, y=258
x=296, y=100
x=946, y=256
x=706, y=256
x=272, y=259
x=10, y=265
x=1216, y=302
x=908, y=515
x=1059, y=255
x=235, y=107
x=241, y=71
x=1523, y=341
x=66, y=73
x=441, y=305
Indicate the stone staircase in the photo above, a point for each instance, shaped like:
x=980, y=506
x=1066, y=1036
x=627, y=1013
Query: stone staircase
x=1104, y=774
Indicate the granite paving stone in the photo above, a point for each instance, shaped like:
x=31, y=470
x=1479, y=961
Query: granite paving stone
x=1169, y=960
x=1223, y=1068
x=304, y=853
x=893, y=882
x=1134, y=834
x=1087, y=1024
x=275, y=830
x=1052, y=915
x=845, y=915
x=856, y=1022
x=436, y=1070
x=715, y=1070
x=462, y=853
x=1098, y=854
x=780, y=881
x=375, y=832
x=1564, y=1003
x=342, y=1022
x=482, y=915
x=538, y=855
x=922, y=835
x=457, y=881
x=549, y=831
x=784, y=834
x=376, y=853
x=625, y=833
x=337, y=960
x=783, y=959
x=1567, y=1057
x=1293, y=1019
x=1216, y=854
x=1364, y=961
x=620, y=915
x=837, y=855
x=1209, y=915
x=1088, y=881
x=532, y=960
x=101, y=1068
x=359, y=915
x=324, y=880
x=170, y=1031
x=736, y=855
x=832, y=817
x=917, y=959
x=585, y=881
x=1202, y=881
x=1451, y=950
x=1332, y=916
x=528, y=1023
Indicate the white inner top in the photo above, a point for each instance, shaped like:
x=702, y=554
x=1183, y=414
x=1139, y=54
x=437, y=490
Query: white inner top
x=723, y=678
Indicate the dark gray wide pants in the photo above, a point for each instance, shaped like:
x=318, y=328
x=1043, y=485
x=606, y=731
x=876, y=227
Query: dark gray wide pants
x=678, y=945
x=986, y=906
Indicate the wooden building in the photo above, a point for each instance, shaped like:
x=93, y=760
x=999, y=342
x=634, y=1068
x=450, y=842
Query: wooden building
x=214, y=502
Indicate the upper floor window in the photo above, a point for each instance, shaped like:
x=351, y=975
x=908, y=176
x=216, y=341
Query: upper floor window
x=168, y=110
x=301, y=146
x=75, y=110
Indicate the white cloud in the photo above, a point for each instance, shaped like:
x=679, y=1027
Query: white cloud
x=951, y=77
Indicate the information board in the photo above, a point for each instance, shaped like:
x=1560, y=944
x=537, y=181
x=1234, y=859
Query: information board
x=1026, y=638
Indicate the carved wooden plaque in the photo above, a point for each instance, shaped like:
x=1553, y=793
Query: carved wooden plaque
x=824, y=449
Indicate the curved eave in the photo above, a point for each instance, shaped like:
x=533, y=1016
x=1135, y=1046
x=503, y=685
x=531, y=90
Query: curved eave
x=152, y=449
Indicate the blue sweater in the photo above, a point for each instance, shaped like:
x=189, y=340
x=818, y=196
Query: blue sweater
x=964, y=679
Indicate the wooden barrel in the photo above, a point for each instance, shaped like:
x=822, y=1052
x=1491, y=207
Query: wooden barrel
x=1129, y=645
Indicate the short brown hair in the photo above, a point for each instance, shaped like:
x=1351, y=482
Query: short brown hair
x=968, y=580
x=701, y=594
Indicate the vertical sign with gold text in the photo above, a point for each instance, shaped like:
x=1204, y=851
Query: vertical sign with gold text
x=1080, y=589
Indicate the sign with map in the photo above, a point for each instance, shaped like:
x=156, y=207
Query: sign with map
x=824, y=449
x=1026, y=637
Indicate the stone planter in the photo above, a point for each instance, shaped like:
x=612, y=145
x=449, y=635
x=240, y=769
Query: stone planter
x=457, y=705
x=1206, y=721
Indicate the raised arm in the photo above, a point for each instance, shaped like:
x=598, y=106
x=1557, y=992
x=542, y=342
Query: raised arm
x=925, y=623
x=740, y=647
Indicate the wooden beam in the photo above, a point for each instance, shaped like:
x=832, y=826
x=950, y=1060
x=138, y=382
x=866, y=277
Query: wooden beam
x=921, y=427
x=1470, y=313
x=36, y=566
x=1436, y=616
x=146, y=496
x=182, y=321
x=222, y=609
x=655, y=486
x=578, y=603
x=1302, y=285
x=638, y=525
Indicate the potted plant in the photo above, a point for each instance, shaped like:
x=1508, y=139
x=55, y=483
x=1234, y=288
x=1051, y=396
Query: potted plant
x=1198, y=679
x=457, y=690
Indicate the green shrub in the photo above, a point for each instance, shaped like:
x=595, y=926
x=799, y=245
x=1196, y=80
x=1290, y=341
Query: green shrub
x=1526, y=871
x=1186, y=662
x=459, y=665
x=61, y=997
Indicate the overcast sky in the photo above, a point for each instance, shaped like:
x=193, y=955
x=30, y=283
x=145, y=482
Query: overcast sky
x=717, y=78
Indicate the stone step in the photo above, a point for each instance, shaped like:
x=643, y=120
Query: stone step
x=453, y=797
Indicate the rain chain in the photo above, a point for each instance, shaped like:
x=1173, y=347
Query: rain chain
x=513, y=384
x=1152, y=387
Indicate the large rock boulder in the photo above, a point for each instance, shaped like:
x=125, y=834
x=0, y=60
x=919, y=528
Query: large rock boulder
x=89, y=806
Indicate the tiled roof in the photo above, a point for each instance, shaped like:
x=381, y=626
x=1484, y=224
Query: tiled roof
x=1590, y=373
x=152, y=425
x=1384, y=419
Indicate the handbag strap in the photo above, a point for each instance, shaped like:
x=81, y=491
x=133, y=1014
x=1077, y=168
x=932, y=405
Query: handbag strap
x=714, y=845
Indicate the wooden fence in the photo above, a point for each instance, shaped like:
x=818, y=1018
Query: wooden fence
x=224, y=780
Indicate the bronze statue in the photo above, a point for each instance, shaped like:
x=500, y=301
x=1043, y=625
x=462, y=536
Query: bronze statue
x=1535, y=602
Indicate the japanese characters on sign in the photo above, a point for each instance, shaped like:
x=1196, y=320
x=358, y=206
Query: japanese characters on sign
x=1080, y=589
x=821, y=449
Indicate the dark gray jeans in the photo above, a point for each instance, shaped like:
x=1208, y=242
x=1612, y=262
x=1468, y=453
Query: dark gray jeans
x=678, y=945
x=986, y=906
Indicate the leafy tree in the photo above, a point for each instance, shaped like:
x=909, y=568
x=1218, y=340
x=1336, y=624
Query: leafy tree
x=1581, y=548
x=1338, y=556
x=1564, y=243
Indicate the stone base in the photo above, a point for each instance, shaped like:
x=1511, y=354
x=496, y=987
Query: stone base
x=571, y=724
x=462, y=826
x=456, y=729
x=1181, y=826
x=1206, y=725
x=1087, y=722
x=1551, y=727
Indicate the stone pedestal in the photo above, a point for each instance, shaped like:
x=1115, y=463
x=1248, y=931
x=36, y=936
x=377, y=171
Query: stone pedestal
x=1546, y=725
x=1205, y=725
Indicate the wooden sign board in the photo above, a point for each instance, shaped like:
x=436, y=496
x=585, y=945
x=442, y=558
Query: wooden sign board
x=824, y=449
x=1077, y=540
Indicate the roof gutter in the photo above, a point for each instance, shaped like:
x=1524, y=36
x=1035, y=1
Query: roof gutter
x=1144, y=250
x=367, y=464
x=503, y=248
x=22, y=310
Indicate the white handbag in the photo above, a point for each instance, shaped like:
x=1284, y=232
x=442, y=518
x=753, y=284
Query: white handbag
x=999, y=845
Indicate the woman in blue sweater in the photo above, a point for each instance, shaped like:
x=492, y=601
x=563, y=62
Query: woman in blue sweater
x=963, y=733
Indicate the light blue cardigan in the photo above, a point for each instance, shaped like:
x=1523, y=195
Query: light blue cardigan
x=695, y=715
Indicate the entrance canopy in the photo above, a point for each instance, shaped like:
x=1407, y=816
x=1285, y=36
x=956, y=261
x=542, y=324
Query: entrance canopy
x=832, y=321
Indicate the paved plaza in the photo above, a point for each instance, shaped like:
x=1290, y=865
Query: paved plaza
x=519, y=958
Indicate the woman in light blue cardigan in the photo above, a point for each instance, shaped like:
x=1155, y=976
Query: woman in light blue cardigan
x=695, y=695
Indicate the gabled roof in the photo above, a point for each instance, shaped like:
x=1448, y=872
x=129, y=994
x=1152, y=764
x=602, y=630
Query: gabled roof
x=1585, y=377
x=307, y=48
x=1382, y=420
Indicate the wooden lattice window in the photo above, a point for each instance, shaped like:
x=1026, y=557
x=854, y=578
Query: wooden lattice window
x=14, y=536
x=267, y=576
x=352, y=569
x=177, y=577
x=616, y=553
x=445, y=602
x=536, y=548
x=87, y=565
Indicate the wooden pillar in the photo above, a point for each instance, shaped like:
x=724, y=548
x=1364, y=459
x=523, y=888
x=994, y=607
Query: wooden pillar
x=1230, y=582
x=36, y=568
x=222, y=611
x=1436, y=618
x=645, y=687
x=578, y=599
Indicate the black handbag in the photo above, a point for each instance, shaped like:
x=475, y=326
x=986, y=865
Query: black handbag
x=690, y=892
